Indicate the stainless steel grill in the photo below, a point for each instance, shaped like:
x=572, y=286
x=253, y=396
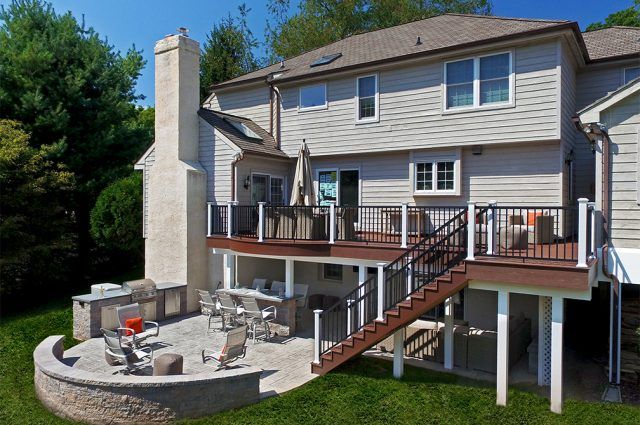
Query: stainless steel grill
x=141, y=290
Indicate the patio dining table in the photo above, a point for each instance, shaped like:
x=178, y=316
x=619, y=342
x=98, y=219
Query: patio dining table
x=285, y=306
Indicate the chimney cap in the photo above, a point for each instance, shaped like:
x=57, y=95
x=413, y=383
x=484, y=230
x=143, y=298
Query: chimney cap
x=183, y=31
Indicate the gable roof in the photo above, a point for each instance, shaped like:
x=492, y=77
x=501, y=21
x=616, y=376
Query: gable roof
x=266, y=145
x=591, y=113
x=615, y=42
x=437, y=34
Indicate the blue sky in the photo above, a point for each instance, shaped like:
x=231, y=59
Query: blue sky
x=141, y=23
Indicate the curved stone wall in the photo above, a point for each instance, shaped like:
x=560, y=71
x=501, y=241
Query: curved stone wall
x=96, y=398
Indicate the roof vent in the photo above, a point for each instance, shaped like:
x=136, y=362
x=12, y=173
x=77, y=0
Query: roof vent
x=326, y=59
x=418, y=41
x=281, y=64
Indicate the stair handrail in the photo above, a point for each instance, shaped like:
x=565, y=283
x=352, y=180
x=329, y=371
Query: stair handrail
x=361, y=293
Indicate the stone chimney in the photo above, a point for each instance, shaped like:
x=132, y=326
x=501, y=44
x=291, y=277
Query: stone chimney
x=175, y=248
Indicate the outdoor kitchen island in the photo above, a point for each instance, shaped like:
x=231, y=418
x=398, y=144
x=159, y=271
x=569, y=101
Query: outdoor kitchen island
x=158, y=301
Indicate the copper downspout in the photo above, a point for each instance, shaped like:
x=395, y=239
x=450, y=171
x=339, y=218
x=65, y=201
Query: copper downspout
x=274, y=95
x=238, y=157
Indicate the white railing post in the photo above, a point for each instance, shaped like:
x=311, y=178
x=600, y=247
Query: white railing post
x=261, y=221
x=209, y=217
x=409, y=276
x=230, y=218
x=592, y=208
x=349, y=316
x=381, y=291
x=332, y=222
x=582, y=232
x=405, y=225
x=491, y=227
x=317, y=336
x=471, y=230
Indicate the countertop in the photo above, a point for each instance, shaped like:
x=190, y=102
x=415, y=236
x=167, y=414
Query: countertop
x=87, y=298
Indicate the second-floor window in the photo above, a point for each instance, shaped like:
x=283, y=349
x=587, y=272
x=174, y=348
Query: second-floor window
x=631, y=74
x=478, y=81
x=313, y=97
x=367, y=98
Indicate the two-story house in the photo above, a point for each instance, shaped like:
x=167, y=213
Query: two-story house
x=450, y=179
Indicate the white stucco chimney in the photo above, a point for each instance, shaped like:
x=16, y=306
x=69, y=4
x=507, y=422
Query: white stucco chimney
x=175, y=248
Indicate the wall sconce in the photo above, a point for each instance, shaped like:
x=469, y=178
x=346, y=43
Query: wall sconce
x=571, y=156
x=247, y=182
x=476, y=149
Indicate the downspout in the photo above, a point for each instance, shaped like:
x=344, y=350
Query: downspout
x=274, y=95
x=595, y=132
x=236, y=158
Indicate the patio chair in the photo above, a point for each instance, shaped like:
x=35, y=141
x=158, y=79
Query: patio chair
x=286, y=223
x=116, y=351
x=130, y=315
x=271, y=219
x=277, y=286
x=346, y=227
x=229, y=311
x=235, y=348
x=259, y=284
x=308, y=225
x=209, y=305
x=254, y=316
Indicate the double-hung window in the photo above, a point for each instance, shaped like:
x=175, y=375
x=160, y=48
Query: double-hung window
x=367, y=98
x=332, y=272
x=313, y=97
x=437, y=174
x=478, y=82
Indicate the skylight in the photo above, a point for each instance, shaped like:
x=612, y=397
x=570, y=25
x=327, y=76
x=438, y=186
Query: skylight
x=242, y=128
x=326, y=59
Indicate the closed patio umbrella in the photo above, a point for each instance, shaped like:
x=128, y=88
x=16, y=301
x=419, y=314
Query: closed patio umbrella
x=302, y=193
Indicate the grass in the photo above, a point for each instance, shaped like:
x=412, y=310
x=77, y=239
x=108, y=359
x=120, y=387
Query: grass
x=360, y=392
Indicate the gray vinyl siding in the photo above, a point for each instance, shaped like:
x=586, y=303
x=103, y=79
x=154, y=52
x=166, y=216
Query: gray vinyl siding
x=215, y=157
x=251, y=103
x=518, y=174
x=148, y=163
x=623, y=122
x=411, y=111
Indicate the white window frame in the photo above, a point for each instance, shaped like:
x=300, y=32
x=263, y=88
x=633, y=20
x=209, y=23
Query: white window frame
x=476, y=85
x=312, y=108
x=434, y=159
x=376, y=117
x=624, y=73
x=269, y=176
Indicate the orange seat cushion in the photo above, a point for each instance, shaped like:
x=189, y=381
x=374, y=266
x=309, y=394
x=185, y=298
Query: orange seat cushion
x=136, y=324
x=531, y=217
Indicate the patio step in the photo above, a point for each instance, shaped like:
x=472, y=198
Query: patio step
x=403, y=314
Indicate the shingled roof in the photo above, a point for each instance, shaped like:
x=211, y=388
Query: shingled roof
x=264, y=145
x=614, y=42
x=439, y=33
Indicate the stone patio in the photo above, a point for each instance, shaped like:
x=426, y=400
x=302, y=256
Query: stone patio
x=285, y=361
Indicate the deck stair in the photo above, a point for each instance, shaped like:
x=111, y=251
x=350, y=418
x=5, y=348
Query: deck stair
x=419, y=280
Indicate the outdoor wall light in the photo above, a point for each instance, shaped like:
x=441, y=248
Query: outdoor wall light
x=247, y=182
x=476, y=149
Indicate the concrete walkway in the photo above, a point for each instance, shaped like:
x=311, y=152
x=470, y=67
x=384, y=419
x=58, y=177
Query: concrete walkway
x=285, y=361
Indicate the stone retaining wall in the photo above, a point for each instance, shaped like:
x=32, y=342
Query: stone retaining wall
x=95, y=398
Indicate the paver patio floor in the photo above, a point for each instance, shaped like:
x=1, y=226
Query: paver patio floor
x=285, y=361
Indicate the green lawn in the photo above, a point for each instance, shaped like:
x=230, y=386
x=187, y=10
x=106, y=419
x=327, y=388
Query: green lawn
x=361, y=392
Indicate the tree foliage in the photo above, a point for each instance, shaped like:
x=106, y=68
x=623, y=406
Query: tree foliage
x=116, y=219
x=320, y=22
x=227, y=51
x=35, y=230
x=629, y=17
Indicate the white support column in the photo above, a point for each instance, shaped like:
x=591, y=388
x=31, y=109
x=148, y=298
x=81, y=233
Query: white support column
x=380, y=291
x=471, y=230
x=261, y=221
x=317, y=336
x=289, y=277
x=502, y=374
x=557, y=320
x=230, y=205
x=491, y=227
x=582, y=232
x=405, y=217
x=362, y=277
x=448, y=333
x=229, y=271
x=409, y=276
x=544, y=341
x=398, y=353
x=332, y=222
x=209, y=212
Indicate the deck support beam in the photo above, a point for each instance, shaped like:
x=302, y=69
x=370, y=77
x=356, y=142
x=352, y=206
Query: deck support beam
x=557, y=324
x=448, y=333
x=289, y=277
x=502, y=371
x=398, y=353
x=229, y=270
